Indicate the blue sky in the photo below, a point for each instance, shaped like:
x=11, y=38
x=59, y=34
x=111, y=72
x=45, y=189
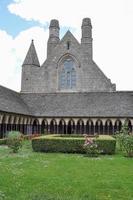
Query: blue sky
x=11, y=23
x=15, y=24
x=24, y=20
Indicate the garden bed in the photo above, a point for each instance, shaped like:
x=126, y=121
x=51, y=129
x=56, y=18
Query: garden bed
x=74, y=144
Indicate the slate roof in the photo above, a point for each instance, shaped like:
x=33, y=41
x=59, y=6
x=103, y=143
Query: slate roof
x=10, y=101
x=92, y=104
x=100, y=104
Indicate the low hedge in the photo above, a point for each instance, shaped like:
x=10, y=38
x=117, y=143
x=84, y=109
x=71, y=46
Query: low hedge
x=106, y=144
x=3, y=141
x=57, y=143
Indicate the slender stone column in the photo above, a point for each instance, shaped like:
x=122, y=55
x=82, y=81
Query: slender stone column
x=85, y=126
x=57, y=122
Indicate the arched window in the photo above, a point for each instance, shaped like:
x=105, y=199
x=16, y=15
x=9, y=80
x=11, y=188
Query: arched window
x=67, y=76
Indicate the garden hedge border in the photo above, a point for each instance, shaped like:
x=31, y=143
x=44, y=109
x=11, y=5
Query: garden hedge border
x=3, y=141
x=57, y=143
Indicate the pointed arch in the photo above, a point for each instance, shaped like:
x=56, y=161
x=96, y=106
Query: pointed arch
x=62, y=127
x=99, y=126
x=118, y=125
x=80, y=126
x=44, y=126
x=128, y=121
x=108, y=127
x=71, y=127
x=35, y=126
x=53, y=126
x=90, y=127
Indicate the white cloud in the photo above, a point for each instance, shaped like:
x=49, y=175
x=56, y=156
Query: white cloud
x=13, y=52
x=112, y=33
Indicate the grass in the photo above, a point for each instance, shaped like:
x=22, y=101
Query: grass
x=54, y=176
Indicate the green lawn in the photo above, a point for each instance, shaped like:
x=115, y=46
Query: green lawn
x=54, y=176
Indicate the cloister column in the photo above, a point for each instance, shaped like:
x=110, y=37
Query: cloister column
x=57, y=122
x=85, y=125
x=16, y=123
x=21, y=124
x=12, y=122
x=25, y=126
x=104, y=121
x=94, y=123
x=29, y=128
x=75, y=121
x=67, y=121
x=6, y=124
x=123, y=121
x=48, y=120
x=113, y=125
x=40, y=122
x=132, y=124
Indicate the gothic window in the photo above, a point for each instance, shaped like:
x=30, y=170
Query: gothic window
x=67, y=75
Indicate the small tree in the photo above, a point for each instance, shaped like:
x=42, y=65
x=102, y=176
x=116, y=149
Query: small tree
x=14, y=141
x=120, y=135
x=125, y=140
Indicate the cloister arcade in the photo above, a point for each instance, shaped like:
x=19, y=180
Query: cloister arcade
x=30, y=125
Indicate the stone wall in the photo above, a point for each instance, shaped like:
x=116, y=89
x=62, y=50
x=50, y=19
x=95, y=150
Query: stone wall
x=44, y=79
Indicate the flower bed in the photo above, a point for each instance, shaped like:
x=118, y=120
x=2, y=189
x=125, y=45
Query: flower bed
x=57, y=143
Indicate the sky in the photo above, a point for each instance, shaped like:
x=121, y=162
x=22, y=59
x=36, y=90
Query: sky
x=24, y=20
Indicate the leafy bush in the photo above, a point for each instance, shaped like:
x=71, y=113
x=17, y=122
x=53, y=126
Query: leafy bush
x=120, y=135
x=14, y=141
x=125, y=140
x=3, y=141
x=56, y=143
x=128, y=145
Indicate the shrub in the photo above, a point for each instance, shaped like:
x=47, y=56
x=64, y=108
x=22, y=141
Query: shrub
x=128, y=145
x=14, y=141
x=56, y=143
x=90, y=146
x=91, y=149
x=120, y=135
x=3, y=141
x=125, y=140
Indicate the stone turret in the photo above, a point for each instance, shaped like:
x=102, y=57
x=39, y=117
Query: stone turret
x=30, y=64
x=86, y=40
x=53, y=36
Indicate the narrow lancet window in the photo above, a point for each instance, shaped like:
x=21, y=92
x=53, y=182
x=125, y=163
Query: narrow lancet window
x=68, y=45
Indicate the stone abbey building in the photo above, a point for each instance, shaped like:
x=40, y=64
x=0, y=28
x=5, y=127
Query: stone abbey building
x=68, y=93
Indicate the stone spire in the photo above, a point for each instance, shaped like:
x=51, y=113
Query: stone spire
x=31, y=57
